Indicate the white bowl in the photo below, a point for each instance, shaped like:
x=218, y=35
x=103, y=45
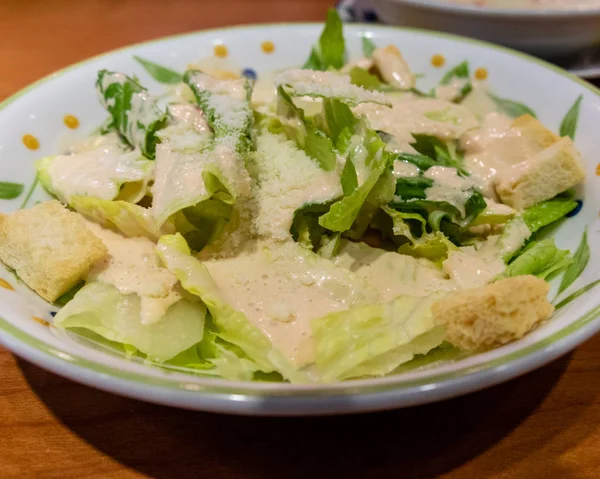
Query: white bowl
x=545, y=33
x=40, y=109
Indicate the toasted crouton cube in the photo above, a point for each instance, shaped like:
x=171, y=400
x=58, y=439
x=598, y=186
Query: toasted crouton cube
x=537, y=135
x=49, y=247
x=495, y=314
x=548, y=173
x=392, y=67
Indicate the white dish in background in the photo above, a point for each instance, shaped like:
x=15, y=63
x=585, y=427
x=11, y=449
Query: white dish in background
x=47, y=108
x=549, y=33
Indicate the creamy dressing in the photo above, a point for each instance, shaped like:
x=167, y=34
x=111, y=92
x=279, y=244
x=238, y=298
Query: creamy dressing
x=408, y=116
x=451, y=90
x=191, y=115
x=470, y=270
x=404, y=169
x=281, y=289
x=393, y=68
x=133, y=266
x=98, y=168
x=448, y=186
x=491, y=150
x=392, y=274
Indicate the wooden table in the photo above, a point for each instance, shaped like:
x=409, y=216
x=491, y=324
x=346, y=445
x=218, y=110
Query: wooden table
x=545, y=424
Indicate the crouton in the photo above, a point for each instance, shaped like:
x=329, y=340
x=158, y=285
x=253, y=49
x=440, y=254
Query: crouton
x=495, y=314
x=537, y=135
x=392, y=67
x=548, y=173
x=49, y=247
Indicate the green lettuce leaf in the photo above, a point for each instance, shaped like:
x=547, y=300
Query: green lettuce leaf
x=131, y=220
x=460, y=72
x=444, y=153
x=373, y=340
x=102, y=169
x=100, y=308
x=158, y=72
x=343, y=212
x=331, y=50
x=547, y=212
x=134, y=112
x=540, y=258
x=233, y=326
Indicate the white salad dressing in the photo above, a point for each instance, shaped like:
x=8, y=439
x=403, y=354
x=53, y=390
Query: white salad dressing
x=133, y=266
x=404, y=169
x=392, y=274
x=492, y=149
x=190, y=114
x=448, y=186
x=281, y=289
x=98, y=168
x=451, y=90
x=468, y=269
x=409, y=115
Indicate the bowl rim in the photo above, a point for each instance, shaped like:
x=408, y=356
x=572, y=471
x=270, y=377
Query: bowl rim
x=251, y=397
x=446, y=6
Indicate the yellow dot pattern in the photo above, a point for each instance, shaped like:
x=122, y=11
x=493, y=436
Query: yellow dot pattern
x=267, y=46
x=598, y=170
x=438, y=61
x=71, y=121
x=43, y=322
x=481, y=73
x=220, y=51
x=31, y=142
x=6, y=285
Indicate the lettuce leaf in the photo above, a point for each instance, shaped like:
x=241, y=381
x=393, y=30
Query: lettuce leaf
x=103, y=168
x=540, y=258
x=133, y=111
x=542, y=214
x=131, y=220
x=100, y=308
x=233, y=326
x=375, y=339
x=343, y=212
x=331, y=50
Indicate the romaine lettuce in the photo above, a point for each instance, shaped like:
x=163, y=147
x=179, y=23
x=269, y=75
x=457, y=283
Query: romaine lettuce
x=100, y=308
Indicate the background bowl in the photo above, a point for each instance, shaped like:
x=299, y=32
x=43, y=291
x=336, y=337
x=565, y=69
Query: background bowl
x=35, y=121
x=545, y=33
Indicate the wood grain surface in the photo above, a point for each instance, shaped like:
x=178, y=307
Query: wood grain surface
x=545, y=424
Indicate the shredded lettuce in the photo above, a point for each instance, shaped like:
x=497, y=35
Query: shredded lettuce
x=100, y=308
x=375, y=339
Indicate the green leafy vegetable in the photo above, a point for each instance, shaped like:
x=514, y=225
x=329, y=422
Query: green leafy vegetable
x=331, y=48
x=361, y=77
x=443, y=153
x=540, y=258
x=420, y=161
x=100, y=308
x=568, y=126
x=368, y=47
x=511, y=108
x=460, y=72
x=9, y=191
x=232, y=325
x=542, y=214
x=159, y=73
x=229, y=116
x=134, y=112
x=375, y=339
x=580, y=261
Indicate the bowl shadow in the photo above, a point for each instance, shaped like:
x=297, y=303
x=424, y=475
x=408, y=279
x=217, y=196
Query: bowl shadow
x=419, y=442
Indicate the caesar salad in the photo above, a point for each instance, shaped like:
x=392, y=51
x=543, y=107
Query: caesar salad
x=324, y=223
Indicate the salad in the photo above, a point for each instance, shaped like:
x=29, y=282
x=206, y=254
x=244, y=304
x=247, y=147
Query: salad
x=325, y=223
